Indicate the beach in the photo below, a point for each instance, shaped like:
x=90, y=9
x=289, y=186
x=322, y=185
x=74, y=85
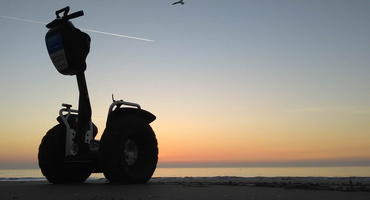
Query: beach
x=289, y=188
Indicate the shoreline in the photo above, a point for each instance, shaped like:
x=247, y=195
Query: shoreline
x=346, y=184
x=288, y=188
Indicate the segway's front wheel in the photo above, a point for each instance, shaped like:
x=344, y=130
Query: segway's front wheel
x=51, y=156
x=128, y=151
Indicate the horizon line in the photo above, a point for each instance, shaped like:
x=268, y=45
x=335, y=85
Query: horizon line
x=288, y=164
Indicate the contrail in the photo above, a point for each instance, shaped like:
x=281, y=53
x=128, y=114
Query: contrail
x=89, y=30
x=25, y=20
x=117, y=35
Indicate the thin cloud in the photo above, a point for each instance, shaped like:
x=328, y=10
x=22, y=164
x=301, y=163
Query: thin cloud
x=337, y=109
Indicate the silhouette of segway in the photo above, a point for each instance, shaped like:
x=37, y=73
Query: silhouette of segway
x=68, y=153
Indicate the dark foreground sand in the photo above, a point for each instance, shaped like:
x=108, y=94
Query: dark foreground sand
x=194, y=189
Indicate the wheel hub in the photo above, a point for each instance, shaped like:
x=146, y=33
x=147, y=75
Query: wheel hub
x=131, y=152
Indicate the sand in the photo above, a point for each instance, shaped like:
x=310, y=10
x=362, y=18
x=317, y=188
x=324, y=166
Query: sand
x=194, y=188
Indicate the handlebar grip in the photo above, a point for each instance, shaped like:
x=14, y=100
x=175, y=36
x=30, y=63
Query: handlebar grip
x=75, y=15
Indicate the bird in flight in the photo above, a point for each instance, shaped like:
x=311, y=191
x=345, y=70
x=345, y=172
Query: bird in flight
x=181, y=1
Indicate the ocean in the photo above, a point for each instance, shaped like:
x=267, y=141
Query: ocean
x=35, y=174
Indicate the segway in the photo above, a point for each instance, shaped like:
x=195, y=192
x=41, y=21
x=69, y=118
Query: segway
x=68, y=153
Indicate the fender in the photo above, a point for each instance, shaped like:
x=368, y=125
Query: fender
x=127, y=111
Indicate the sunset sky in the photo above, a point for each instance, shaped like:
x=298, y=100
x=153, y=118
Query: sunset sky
x=242, y=82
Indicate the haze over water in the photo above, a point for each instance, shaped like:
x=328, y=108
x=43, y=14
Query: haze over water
x=35, y=174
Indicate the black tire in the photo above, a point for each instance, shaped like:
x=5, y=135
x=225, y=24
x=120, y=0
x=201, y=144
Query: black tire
x=128, y=151
x=51, y=156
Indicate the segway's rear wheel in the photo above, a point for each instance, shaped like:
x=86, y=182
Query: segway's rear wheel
x=128, y=151
x=51, y=156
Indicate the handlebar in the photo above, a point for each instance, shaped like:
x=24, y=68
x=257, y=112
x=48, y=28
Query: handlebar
x=65, y=17
x=65, y=10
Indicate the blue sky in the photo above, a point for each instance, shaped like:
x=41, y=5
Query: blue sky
x=260, y=80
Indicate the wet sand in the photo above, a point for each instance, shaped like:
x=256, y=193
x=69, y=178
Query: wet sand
x=215, y=188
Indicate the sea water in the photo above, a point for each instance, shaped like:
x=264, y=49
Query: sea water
x=35, y=174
